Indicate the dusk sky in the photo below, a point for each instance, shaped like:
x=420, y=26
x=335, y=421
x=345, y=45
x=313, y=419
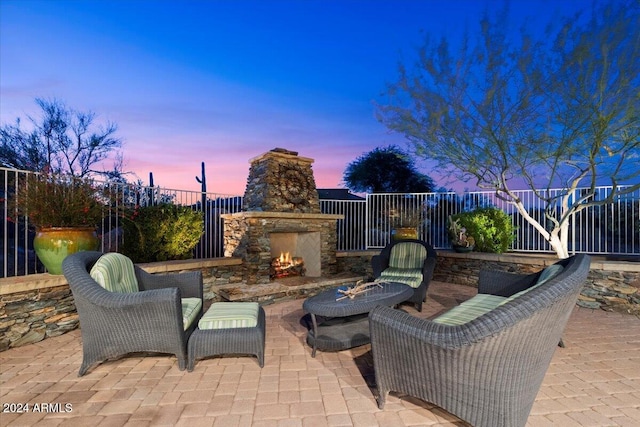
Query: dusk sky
x=225, y=81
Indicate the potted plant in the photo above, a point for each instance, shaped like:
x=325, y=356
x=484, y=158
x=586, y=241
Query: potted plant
x=64, y=210
x=460, y=240
x=405, y=224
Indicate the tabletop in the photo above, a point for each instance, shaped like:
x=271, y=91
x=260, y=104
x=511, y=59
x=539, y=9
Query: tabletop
x=325, y=304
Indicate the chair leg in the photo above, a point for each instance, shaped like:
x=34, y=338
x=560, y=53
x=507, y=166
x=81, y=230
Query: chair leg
x=260, y=360
x=382, y=397
x=182, y=362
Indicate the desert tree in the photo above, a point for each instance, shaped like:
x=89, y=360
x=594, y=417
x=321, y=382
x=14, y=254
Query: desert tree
x=61, y=140
x=558, y=110
x=386, y=170
x=389, y=170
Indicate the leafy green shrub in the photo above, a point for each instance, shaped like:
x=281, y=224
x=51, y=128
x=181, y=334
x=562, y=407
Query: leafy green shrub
x=162, y=233
x=490, y=227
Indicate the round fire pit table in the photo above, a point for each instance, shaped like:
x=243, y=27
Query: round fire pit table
x=345, y=322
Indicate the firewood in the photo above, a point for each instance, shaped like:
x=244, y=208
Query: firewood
x=357, y=289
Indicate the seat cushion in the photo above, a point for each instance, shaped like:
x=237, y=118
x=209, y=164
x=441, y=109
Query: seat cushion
x=115, y=273
x=408, y=276
x=407, y=255
x=190, y=309
x=484, y=303
x=225, y=315
x=470, y=309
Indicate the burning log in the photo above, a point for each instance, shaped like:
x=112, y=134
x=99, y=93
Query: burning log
x=286, y=266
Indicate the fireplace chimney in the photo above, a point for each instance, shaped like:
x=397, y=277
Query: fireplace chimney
x=281, y=181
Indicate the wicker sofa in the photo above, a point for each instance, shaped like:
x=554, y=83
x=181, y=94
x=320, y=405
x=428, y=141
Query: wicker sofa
x=408, y=261
x=149, y=319
x=488, y=370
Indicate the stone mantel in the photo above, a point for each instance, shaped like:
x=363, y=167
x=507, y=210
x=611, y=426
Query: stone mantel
x=282, y=215
x=283, y=155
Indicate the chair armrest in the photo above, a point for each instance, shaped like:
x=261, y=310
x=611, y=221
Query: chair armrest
x=377, y=265
x=494, y=282
x=189, y=283
x=146, y=319
x=387, y=324
x=103, y=299
x=428, y=268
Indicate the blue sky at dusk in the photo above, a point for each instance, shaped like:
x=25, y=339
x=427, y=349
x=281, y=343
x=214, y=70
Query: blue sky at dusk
x=225, y=81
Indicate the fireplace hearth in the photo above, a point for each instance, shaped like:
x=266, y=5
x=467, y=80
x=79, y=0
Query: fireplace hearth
x=281, y=214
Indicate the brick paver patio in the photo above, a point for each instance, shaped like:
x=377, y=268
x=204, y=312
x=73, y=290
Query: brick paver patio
x=594, y=381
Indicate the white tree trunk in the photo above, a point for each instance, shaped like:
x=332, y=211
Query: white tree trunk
x=557, y=238
x=558, y=241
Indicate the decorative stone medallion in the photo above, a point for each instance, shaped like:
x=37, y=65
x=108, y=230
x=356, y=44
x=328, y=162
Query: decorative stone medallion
x=281, y=181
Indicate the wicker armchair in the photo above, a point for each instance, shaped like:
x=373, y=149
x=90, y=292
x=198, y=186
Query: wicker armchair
x=114, y=324
x=487, y=371
x=380, y=265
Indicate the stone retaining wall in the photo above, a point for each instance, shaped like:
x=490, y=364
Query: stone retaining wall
x=39, y=306
x=214, y=277
x=28, y=317
x=611, y=285
x=35, y=307
x=358, y=262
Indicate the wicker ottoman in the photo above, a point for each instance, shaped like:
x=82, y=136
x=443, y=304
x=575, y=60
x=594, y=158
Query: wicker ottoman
x=220, y=333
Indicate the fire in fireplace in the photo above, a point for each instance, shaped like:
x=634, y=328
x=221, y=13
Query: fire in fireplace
x=286, y=266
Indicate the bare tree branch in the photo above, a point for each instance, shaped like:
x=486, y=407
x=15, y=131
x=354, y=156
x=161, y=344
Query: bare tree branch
x=559, y=110
x=63, y=141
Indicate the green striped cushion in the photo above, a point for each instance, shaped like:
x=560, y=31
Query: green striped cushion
x=190, y=309
x=546, y=275
x=407, y=255
x=115, y=273
x=408, y=276
x=470, y=309
x=224, y=315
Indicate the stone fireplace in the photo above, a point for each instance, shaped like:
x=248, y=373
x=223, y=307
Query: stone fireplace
x=281, y=215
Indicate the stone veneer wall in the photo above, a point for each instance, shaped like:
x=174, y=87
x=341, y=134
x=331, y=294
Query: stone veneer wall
x=31, y=316
x=39, y=306
x=358, y=262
